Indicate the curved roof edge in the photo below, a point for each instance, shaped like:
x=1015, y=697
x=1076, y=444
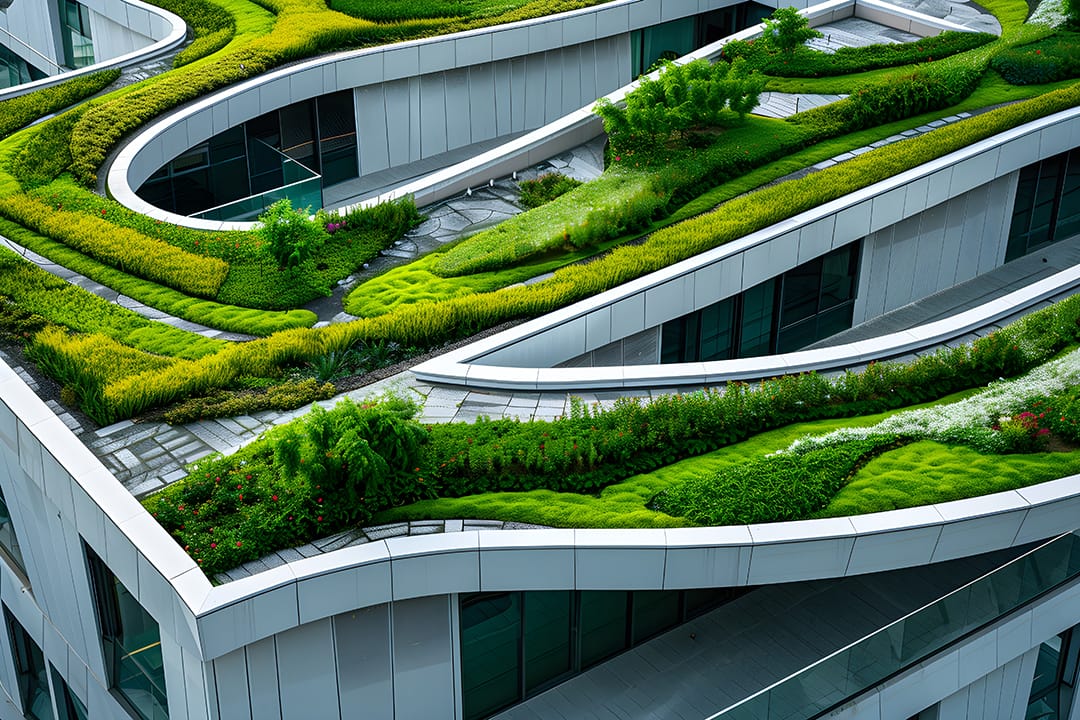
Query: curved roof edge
x=547, y=141
x=175, y=32
x=465, y=366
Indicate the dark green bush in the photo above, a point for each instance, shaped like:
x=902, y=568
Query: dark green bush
x=1049, y=60
x=682, y=98
x=807, y=62
x=898, y=97
x=545, y=188
x=774, y=488
x=787, y=29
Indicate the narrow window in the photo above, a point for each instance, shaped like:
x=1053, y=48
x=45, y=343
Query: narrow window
x=132, y=644
x=30, y=671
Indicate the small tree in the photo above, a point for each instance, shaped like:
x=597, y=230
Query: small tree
x=291, y=235
x=681, y=98
x=787, y=29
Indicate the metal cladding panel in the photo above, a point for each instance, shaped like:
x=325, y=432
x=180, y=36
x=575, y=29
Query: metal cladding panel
x=424, y=685
x=364, y=662
x=306, y=673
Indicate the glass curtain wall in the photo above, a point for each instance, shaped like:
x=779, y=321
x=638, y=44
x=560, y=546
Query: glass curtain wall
x=676, y=38
x=75, y=32
x=132, y=644
x=247, y=160
x=1047, y=206
x=517, y=644
x=788, y=312
x=31, y=671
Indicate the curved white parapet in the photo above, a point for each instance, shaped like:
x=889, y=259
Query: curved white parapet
x=146, y=152
x=845, y=220
x=212, y=621
x=167, y=29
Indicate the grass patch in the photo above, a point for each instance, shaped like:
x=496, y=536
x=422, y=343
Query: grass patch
x=929, y=472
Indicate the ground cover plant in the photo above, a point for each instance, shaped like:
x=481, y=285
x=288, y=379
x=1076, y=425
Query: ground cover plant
x=545, y=188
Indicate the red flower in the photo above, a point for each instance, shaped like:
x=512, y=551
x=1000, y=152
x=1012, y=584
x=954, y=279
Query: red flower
x=213, y=545
x=274, y=498
x=318, y=519
x=238, y=543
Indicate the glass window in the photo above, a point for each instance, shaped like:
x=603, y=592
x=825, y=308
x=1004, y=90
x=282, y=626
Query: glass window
x=337, y=137
x=757, y=319
x=802, y=285
x=298, y=133
x=603, y=623
x=547, y=649
x=490, y=652
x=132, y=644
x=1068, y=222
x=8, y=541
x=718, y=330
x=654, y=612
x=30, y=671
x=68, y=705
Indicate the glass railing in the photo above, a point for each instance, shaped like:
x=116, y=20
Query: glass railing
x=913, y=638
x=301, y=185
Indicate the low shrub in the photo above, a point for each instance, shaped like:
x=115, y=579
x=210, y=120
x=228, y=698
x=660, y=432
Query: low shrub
x=315, y=476
x=20, y=111
x=787, y=29
x=805, y=62
x=900, y=96
x=58, y=302
x=1049, y=60
x=122, y=248
x=291, y=235
x=288, y=395
x=545, y=188
x=785, y=486
x=47, y=151
x=205, y=312
x=212, y=26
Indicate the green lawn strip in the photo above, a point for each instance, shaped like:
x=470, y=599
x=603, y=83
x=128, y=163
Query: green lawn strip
x=205, y=312
x=59, y=302
x=928, y=472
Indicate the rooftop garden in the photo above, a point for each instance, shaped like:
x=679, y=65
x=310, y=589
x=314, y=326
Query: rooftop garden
x=688, y=169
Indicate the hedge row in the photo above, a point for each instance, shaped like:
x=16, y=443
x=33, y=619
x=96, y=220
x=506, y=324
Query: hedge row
x=210, y=24
x=806, y=62
x=125, y=249
x=22, y=110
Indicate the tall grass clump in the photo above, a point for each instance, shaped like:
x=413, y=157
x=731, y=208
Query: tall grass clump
x=19, y=111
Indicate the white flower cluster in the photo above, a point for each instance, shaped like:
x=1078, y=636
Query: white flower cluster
x=1049, y=12
x=974, y=414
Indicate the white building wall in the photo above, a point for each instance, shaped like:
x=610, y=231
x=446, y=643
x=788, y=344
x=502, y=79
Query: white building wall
x=935, y=249
x=999, y=695
x=409, y=119
x=31, y=31
x=113, y=37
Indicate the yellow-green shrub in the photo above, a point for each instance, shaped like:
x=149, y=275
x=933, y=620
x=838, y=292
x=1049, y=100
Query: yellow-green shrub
x=120, y=247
